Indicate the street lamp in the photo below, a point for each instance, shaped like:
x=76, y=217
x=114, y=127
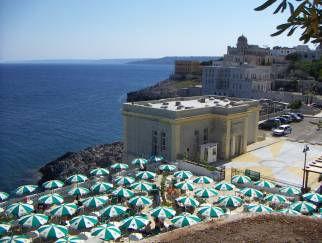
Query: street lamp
x=305, y=150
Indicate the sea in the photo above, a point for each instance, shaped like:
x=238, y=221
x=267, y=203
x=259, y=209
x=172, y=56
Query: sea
x=49, y=109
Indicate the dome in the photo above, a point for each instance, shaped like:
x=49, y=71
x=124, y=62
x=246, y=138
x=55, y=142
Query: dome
x=242, y=38
x=242, y=42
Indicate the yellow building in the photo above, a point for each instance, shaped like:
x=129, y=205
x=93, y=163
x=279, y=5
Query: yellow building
x=184, y=67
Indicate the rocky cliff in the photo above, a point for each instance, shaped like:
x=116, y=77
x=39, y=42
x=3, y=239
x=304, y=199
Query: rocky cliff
x=82, y=161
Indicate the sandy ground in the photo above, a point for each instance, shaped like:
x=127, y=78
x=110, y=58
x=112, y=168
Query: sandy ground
x=248, y=228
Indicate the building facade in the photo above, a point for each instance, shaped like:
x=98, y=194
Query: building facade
x=187, y=67
x=177, y=128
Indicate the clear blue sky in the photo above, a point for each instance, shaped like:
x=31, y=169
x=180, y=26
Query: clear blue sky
x=60, y=29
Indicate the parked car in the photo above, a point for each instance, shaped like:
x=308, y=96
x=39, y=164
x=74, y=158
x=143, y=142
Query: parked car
x=269, y=124
x=300, y=115
x=295, y=117
x=282, y=119
x=282, y=130
x=288, y=118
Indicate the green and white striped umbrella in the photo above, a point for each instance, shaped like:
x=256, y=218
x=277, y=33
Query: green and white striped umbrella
x=101, y=187
x=303, y=207
x=33, y=220
x=53, y=231
x=265, y=184
x=19, y=209
x=275, y=198
x=83, y=222
x=184, y=185
x=123, y=192
x=4, y=228
x=289, y=211
x=78, y=191
x=317, y=216
x=124, y=180
x=258, y=208
x=3, y=196
x=210, y=211
x=51, y=199
x=106, y=232
x=99, y=172
x=156, y=159
x=95, y=202
x=15, y=239
x=183, y=174
x=206, y=192
x=163, y=212
x=230, y=201
x=167, y=168
x=139, y=161
x=70, y=239
x=146, y=175
x=134, y=222
x=289, y=190
x=53, y=184
x=241, y=179
x=142, y=186
x=139, y=201
x=188, y=201
x=224, y=186
x=251, y=192
x=66, y=209
x=313, y=197
x=119, y=166
x=185, y=219
x=78, y=178
x=203, y=180
x=113, y=211
x=26, y=189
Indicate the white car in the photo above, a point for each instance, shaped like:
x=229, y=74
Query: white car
x=282, y=130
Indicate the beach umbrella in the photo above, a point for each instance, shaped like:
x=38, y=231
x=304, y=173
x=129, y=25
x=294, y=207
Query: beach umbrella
x=139, y=161
x=183, y=174
x=250, y=192
x=124, y=180
x=210, y=211
x=78, y=191
x=188, y=201
x=142, y=186
x=184, y=185
x=4, y=228
x=25, y=189
x=77, y=178
x=123, y=192
x=106, y=232
x=101, y=187
x=239, y=179
x=230, y=201
x=265, y=184
x=52, y=184
x=224, y=186
x=83, y=222
x=1, y=210
x=139, y=201
x=163, y=212
x=258, y=208
x=289, y=190
x=303, y=207
x=66, y=209
x=94, y=202
x=51, y=199
x=19, y=209
x=3, y=196
x=289, y=211
x=70, y=239
x=33, y=220
x=134, y=222
x=99, y=172
x=167, y=168
x=317, y=216
x=206, y=192
x=313, y=197
x=156, y=159
x=53, y=231
x=15, y=239
x=275, y=198
x=119, y=166
x=185, y=219
x=146, y=175
x=203, y=180
x=113, y=211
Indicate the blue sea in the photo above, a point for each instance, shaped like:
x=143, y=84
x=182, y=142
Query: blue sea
x=49, y=109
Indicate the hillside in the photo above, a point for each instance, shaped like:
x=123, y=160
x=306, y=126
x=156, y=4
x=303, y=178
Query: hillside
x=171, y=60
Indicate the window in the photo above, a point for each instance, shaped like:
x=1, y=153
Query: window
x=205, y=135
x=163, y=143
x=154, y=142
x=197, y=142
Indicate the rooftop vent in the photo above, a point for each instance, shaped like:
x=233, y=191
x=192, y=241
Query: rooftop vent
x=202, y=100
x=211, y=98
x=164, y=107
x=165, y=103
x=177, y=103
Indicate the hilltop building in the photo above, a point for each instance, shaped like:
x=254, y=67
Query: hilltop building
x=187, y=69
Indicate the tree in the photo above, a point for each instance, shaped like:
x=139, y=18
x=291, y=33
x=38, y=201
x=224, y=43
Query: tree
x=307, y=16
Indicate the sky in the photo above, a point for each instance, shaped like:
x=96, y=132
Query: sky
x=97, y=29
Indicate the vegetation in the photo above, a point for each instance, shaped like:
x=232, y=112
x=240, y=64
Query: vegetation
x=295, y=104
x=163, y=186
x=186, y=83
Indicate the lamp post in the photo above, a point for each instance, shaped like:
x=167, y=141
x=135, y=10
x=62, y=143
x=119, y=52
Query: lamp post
x=305, y=150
